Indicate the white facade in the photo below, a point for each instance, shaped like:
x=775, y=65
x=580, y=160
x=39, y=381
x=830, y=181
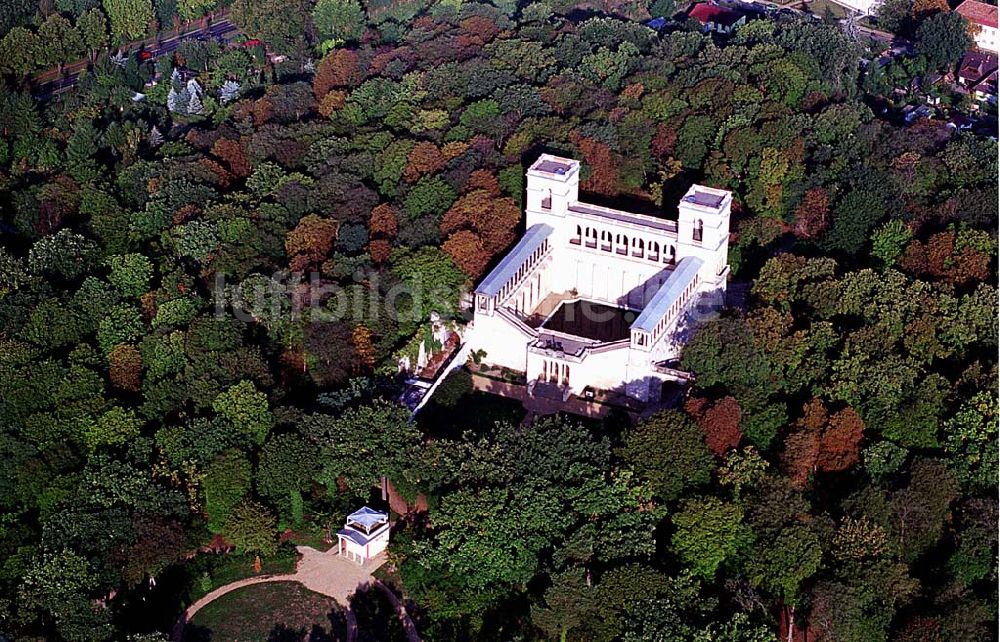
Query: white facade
x=982, y=17
x=650, y=268
x=864, y=7
x=365, y=535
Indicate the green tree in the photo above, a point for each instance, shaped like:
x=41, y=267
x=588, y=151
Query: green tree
x=122, y=324
x=339, y=20
x=225, y=483
x=131, y=274
x=246, y=409
x=20, y=51
x=708, y=531
x=116, y=427
x=129, y=18
x=252, y=529
x=943, y=38
x=669, y=451
x=93, y=28
x=61, y=42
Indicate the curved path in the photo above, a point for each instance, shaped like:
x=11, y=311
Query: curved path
x=324, y=573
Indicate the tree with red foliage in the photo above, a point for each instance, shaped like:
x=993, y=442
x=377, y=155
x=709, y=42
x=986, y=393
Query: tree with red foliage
x=231, y=152
x=719, y=421
x=479, y=30
x=339, y=68
x=425, y=158
x=812, y=216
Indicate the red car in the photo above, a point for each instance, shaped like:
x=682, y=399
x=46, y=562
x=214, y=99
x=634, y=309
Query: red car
x=143, y=56
x=253, y=42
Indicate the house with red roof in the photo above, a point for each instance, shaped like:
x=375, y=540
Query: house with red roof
x=717, y=18
x=982, y=18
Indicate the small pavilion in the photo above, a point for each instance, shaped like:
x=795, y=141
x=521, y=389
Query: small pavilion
x=365, y=534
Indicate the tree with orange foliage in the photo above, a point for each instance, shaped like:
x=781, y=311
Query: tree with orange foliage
x=125, y=367
x=494, y=220
x=310, y=241
x=923, y=8
x=383, y=222
x=956, y=258
x=331, y=102
x=603, y=177
x=719, y=421
x=425, y=158
x=822, y=442
x=364, y=348
x=482, y=179
x=338, y=69
x=812, y=216
x=379, y=250
x=231, y=152
x=466, y=250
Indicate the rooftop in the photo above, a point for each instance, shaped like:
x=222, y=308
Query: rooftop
x=554, y=166
x=706, y=13
x=707, y=198
x=368, y=517
x=624, y=217
x=979, y=12
x=671, y=290
x=512, y=262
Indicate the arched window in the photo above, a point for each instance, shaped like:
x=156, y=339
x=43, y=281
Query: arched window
x=547, y=200
x=579, y=236
x=654, y=251
x=606, y=240
x=622, y=243
x=638, y=248
x=699, y=230
x=670, y=256
x=591, y=237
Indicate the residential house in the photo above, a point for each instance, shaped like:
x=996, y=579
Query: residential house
x=716, y=18
x=985, y=91
x=983, y=18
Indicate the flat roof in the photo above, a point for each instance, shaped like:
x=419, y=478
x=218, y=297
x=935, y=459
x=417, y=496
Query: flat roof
x=671, y=290
x=624, y=217
x=554, y=166
x=705, y=199
x=511, y=263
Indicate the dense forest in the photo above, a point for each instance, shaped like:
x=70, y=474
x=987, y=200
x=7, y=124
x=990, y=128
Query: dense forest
x=199, y=255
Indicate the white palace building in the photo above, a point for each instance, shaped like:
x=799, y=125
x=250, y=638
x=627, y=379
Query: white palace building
x=593, y=297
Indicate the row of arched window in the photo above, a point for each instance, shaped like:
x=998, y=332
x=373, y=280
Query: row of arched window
x=674, y=310
x=522, y=271
x=624, y=245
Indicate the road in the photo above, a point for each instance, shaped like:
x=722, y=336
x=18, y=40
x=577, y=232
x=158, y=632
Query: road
x=55, y=81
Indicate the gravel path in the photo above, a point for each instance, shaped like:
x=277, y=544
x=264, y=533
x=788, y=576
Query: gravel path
x=325, y=573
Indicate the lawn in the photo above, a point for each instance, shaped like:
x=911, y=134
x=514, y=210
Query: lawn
x=278, y=612
x=824, y=8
